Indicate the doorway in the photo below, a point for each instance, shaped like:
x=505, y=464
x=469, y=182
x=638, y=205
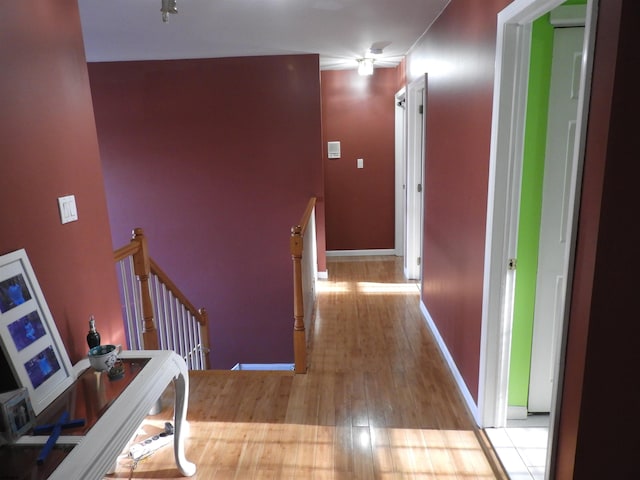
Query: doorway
x=509, y=109
x=416, y=99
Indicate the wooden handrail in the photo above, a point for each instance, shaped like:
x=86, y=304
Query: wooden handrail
x=296, y=247
x=306, y=216
x=143, y=267
x=126, y=251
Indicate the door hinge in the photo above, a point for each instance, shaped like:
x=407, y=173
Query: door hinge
x=419, y=188
x=513, y=263
x=419, y=261
x=421, y=109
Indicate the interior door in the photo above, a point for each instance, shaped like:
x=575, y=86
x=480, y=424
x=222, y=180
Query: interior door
x=415, y=178
x=555, y=221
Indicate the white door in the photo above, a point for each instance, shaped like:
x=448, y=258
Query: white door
x=555, y=219
x=415, y=178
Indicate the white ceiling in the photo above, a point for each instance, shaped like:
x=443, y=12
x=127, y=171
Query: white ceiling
x=338, y=30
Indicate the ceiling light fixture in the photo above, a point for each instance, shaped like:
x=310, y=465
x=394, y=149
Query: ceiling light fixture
x=365, y=66
x=168, y=6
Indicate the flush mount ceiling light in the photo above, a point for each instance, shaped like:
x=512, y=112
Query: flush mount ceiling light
x=168, y=6
x=365, y=66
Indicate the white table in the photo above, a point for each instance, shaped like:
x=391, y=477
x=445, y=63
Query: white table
x=95, y=452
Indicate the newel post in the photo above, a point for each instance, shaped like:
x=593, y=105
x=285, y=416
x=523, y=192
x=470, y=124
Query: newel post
x=204, y=334
x=142, y=268
x=299, y=337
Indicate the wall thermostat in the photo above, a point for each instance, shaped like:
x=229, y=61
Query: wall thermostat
x=333, y=149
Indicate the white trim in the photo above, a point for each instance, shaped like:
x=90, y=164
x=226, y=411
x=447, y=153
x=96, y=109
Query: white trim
x=462, y=386
x=416, y=96
x=400, y=131
x=509, y=107
x=323, y=275
x=263, y=367
x=360, y=253
x=515, y=412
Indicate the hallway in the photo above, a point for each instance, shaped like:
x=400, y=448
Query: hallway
x=378, y=401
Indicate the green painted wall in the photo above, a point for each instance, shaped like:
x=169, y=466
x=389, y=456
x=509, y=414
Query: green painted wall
x=530, y=207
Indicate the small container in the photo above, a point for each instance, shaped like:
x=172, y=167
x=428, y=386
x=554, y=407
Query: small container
x=93, y=337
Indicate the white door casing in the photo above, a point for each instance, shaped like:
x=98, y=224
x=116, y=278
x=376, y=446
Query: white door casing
x=400, y=170
x=415, y=178
x=554, y=224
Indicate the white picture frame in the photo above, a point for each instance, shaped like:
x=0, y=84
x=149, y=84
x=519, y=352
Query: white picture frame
x=17, y=415
x=28, y=334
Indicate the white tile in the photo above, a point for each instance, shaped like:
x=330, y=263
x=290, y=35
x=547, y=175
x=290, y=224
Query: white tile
x=512, y=461
x=537, y=472
x=529, y=437
x=520, y=476
x=533, y=457
x=498, y=437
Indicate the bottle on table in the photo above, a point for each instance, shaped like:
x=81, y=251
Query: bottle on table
x=93, y=337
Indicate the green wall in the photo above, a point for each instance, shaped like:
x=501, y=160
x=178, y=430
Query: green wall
x=530, y=208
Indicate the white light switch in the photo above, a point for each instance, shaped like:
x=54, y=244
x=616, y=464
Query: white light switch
x=360, y=163
x=68, y=211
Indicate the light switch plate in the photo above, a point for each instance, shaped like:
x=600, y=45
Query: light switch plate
x=68, y=210
x=361, y=163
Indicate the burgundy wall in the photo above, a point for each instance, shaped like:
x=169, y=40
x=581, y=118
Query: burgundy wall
x=216, y=159
x=359, y=112
x=458, y=52
x=48, y=148
x=601, y=372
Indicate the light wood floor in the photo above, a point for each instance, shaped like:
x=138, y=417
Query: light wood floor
x=378, y=401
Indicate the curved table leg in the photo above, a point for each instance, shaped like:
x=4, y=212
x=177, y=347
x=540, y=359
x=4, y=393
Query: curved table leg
x=181, y=382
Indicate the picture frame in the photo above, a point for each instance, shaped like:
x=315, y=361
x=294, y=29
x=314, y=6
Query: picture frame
x=28, y=333
x=16, y=414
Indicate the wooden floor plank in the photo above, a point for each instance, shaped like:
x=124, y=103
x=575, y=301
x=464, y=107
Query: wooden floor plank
x=378, y=400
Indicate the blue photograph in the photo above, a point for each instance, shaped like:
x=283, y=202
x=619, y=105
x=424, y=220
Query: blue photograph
x=42, y=366
x=13, y=292
x=26, y=330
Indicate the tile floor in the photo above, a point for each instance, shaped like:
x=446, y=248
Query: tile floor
x=522, y=447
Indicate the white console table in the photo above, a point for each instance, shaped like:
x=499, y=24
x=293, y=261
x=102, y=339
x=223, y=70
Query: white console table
x=93, y=453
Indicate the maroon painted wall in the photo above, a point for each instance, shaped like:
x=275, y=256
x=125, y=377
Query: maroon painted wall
x=48, y=148
x=359, y=112
x=216, y=159
x=596, y=437
x=601, y=370
x=458, y=52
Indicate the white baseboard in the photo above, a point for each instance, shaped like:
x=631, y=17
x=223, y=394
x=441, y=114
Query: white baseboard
x=462, y=386
x=517, y=413
x=323, y=275
x=360, y=253
x=264, y=366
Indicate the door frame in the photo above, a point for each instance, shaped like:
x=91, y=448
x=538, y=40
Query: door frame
x=415, y=178
x=505, y=172
x=400, y=170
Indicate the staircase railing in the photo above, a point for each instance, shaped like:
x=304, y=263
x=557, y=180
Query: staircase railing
x=305, y=271
x=174, y=324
